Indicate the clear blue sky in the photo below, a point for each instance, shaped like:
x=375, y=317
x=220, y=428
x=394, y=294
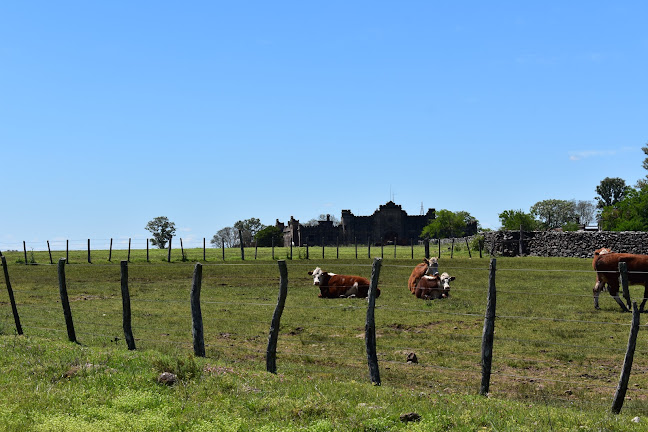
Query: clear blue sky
x=209, y=112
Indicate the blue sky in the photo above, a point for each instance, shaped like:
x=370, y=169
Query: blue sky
x=209, y=112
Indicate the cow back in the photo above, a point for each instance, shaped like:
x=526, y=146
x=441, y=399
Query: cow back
x=416, y=275
x=607, y=267
x=344, y=286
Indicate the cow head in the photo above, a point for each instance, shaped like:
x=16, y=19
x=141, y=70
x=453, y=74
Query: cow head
x=432, y=266
x=444, y=281
x=602, y=251
x=317, y=274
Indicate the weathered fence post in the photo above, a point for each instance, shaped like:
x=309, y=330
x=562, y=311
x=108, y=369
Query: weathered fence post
x=11, y=295
x=67, y=251
x=126, y=307
x=369, y=247
x=468, y=247
x=110, y=251
x=370, y=324
x=25, y=249
x=147, y=250
x=489, y=331
x=204, y=250
x=89, y=260
x=50, y=252
x=196, y=314
x=129, y=249
x=271, y=353
x=479, y=242
x=521, y=244
x=623, y=276
x=242, y=248
x=169, y=255
x=182, y=250
x=256, y=249
x=452, y=248
x=65, y=301
x=223, y=244
x=272, y=248
x=620, y=393
x=382, y=249
x=439, y=244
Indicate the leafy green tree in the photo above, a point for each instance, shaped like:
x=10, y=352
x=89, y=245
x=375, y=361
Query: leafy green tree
x=611, y=191
x=448, y=224
x=162, y=231
x=629, y=214
x=512, y=220
x=249, y=228
x=265, y=236
x=554, y=213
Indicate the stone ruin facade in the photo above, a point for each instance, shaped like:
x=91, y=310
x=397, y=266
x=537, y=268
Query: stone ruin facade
x=388, y=225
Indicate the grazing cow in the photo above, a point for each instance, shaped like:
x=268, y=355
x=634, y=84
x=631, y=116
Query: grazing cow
x=429, y=267
x=607, y=272
x=333, y=285
x=433, y=287
x=600, y=286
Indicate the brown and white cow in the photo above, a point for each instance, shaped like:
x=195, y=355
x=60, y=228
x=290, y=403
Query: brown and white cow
x=433, y=287
x=429, y=267
x=606, y=265
x=333, y=285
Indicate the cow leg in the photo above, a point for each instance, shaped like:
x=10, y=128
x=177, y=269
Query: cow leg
x=623, y=306
x=597, y=291
x=643, y=302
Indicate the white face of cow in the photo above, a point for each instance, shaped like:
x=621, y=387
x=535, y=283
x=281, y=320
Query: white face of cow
x=444, y=280
x=432, y=266
x=317, y=273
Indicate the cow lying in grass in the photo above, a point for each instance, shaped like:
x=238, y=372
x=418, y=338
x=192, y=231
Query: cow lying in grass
x=606, y=265
x=429, y=267
x=434, y=287
x=333, y=285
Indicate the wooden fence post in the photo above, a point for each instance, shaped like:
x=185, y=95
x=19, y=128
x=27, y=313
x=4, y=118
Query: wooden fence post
x=11, y=295
x=242, y=248
x=337, y=253
x=182, y=250
x=89, y=260
x=620, y=393
x=48, y=251
x=272, y=248
x=306, y=250
x=204, y=250
x=521, y=244
x=369, y=248
x=468, y=247
x=169, y=255
x=623, y=276
x=439, y=243
x=110, y=252
x=129, y=249
x=271, y=353
x=67, y=251
x=489, y=331
x=25, y=249
x=65, y=301
x=147, y=250
x=196, y=314
x=370, y=324
x=382, y=249
x=426, y=244
x=452, y=248
x=223, y=244
x=126, y=307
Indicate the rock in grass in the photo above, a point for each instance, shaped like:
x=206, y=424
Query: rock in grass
x=410, y=417
x=167, y=378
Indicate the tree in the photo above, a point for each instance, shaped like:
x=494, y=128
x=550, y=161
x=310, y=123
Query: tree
x=513, y=219
x=227, y=236
x=629, y=214
x=448, y=224
x=554, y=213
x=611, y=191
x=584, y=211
x=264, y=237
x=162, y=231
x=249, y=228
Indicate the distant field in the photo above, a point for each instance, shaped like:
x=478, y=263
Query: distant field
x=551, y=347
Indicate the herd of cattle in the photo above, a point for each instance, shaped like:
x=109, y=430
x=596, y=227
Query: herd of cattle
x=425, y=282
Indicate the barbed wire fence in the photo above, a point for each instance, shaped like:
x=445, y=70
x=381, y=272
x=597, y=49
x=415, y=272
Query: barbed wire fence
x=312, y=339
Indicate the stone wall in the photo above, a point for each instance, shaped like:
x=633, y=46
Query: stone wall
x=580, y=244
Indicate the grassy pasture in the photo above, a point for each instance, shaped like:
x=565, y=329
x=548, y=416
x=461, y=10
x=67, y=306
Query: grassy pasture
x=556, y=360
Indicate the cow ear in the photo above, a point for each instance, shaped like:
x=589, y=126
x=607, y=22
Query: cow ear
x=310, y=273
x=324, y=273
x=452, y=278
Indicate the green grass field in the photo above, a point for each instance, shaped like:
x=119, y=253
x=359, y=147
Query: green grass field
x=556, y=360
